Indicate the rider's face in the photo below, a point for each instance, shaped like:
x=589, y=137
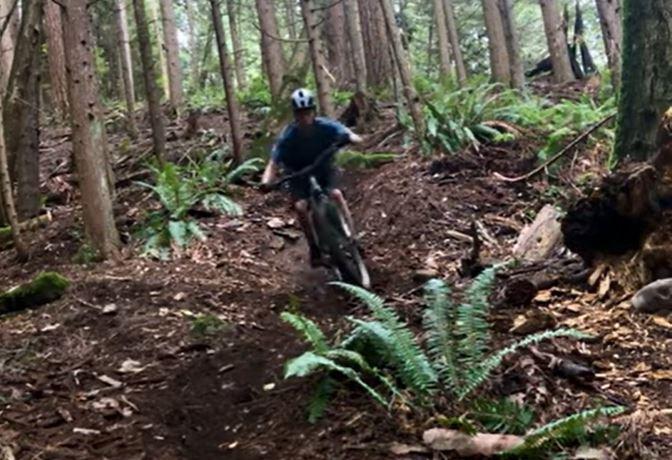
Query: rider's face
x=304, y=118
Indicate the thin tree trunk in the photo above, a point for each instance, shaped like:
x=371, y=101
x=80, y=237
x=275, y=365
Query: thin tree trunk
x=499, y=57
x=154, y=25
x=512, y=44
x=124, y=44
x=290, y=7
x=646, y=90
x=22, y=111
x=354, y=27
x=7, y=41
x=175, y=93
x=193, y=46
x=442, y=35
x=227, y=77
x=238, y=57
x=609, y=12
x=317, y=56
x=56, y=58
x=379, y=65
x=88, y=130
x=6, y=196
x=271, y=49
x=151, y=88
x=557, y=41
x=335, y=41
x=451, y=25
x=404, y=69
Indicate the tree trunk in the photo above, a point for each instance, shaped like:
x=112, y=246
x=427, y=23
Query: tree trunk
x=512, y=44
x=557, y=41
x=290, y=7
x=335, y=40
x=7, y=41
x=56, y=58
x=238, y=57
x=609, y=12
x=192, y=39
x=227, y=77
x=124, y=44
x=451, y=25
x=88, y=130
x=379, y=65
x=154, y=25
x=6, y=196
x=172, y=55
x=271, y=49
x=317, y=56
x=354, y=27
x=404, y=69
x=646, y=90
x=442, y=35
x=22, y=111
x=499, y=56
x=149, y=73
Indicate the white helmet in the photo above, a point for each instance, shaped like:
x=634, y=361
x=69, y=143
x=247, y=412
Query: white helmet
x=303, y=99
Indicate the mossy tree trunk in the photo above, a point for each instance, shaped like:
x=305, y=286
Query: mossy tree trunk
x=646, y=89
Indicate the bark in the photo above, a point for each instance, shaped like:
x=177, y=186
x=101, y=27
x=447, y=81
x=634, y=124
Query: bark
x=172, y=48
x=646, y=89
x=88, y=130
x=238, y=57
x=22, y=111
x=7, y=41
x=124, y=44
x=271, y=49
x=149, y=73
x=154, y=25
x=609, y=12
x=290, y=8
x=404, y=69
x=56, y=58
x=227, y=77
x=193, y=46
x=451, y=24
x=442, y=35
x=512, y=44
x=6, y=196
x=317, y=56
x=336, y=43
x=499, y=56
x=379, y=65
x=557, y=41
x=354, y=27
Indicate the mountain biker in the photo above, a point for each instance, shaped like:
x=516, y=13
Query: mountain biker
x=299, y=145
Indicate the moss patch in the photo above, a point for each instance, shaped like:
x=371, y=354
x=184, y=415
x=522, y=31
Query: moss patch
x=45, y=288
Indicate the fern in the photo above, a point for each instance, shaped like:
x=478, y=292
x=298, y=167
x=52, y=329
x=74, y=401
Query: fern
x=439, y=320
x=475, y=376
x=310, y=331
x=413, y=366
x=318, y=403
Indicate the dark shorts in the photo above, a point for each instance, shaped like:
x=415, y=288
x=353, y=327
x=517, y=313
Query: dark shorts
x=300, y=188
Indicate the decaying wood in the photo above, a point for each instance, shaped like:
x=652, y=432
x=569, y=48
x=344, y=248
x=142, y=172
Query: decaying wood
x=538, y=240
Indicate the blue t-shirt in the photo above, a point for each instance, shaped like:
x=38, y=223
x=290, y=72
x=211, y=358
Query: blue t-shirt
x=296, y=149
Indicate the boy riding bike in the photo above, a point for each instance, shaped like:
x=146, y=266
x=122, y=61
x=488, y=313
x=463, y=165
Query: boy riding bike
x=300, y=144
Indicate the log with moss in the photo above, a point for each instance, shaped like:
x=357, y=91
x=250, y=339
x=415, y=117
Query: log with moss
x=44, y=288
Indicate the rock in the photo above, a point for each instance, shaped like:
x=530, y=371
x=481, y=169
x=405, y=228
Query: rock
x=425, y=274
x=45, y=288
x=654, y=297
x=276, y=223
x=110, y=309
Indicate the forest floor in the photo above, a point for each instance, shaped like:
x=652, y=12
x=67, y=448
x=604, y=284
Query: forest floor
x=140, y=381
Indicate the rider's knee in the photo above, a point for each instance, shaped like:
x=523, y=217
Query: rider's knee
x=336, y=194
x=301, y=206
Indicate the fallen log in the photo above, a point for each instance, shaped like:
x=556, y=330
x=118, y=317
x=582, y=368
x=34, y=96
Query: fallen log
x=28, y=225
x=44, y=288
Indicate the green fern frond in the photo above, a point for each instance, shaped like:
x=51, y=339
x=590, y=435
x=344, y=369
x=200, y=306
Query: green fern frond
x=413, y=366
x=250, y=166
x=222, y=203
x=310, y=331
x=309, y=363
x=556, y=428
x=472, y=328
x=439, y=321
x=477, y=375
x=318, y=403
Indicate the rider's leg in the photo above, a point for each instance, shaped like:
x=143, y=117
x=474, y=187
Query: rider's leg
x=338, y=197
x=303, y=214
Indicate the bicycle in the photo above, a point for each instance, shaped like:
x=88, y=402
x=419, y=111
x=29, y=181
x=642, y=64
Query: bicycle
x=333, y=235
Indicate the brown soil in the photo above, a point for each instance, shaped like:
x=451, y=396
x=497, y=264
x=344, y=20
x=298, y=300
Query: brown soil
x=223, y=395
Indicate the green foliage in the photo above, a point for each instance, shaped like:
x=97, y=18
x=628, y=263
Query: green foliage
x=179, y=189
x=208, y=97
x=257, y=95
x=342, y=97
x=310, y=331
x=44, y=288
x=320, y=400
x=502, y=416
x=206, y=325
x=364, y=160
x=86, y=254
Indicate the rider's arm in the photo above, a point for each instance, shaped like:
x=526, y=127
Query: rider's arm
x=354, y=138
x=270, y=173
